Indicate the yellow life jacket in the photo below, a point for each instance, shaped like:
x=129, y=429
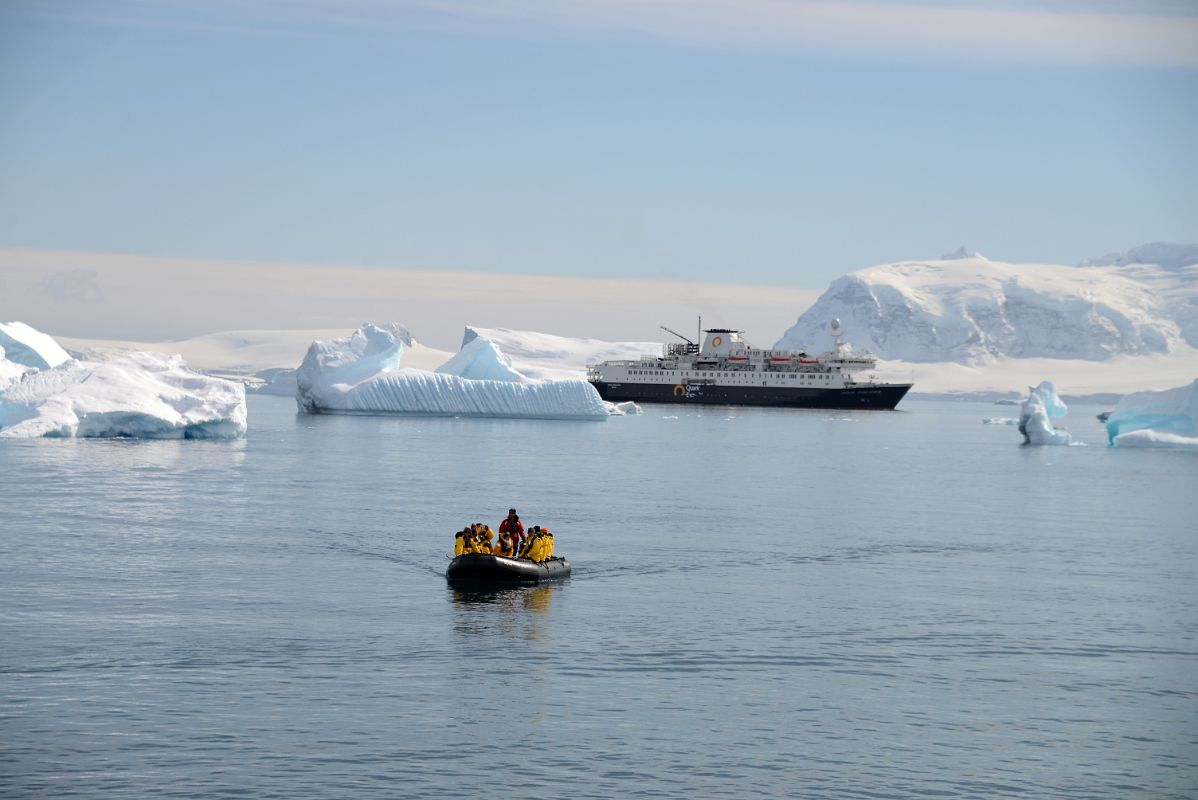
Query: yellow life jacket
x=503, y=546
x=459, y=543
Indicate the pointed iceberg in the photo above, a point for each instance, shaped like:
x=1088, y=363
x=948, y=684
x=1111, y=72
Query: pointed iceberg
x=1037, y=412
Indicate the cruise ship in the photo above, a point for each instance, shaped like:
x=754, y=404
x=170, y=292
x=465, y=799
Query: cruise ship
x=727, y=370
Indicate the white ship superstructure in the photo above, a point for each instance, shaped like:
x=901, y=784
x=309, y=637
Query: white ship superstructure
x=727, y=369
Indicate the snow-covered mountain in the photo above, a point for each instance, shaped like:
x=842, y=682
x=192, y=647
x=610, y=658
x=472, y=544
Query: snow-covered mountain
x=967, y=309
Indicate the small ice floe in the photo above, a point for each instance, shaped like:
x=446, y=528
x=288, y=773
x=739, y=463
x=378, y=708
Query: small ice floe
x=1037, y=412
x=625, y=409
x=1000, y=421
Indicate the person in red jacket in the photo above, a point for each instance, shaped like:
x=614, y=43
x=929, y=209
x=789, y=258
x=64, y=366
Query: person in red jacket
x=514, y=528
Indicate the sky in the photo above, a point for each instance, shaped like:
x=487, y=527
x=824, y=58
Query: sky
x=768, y=143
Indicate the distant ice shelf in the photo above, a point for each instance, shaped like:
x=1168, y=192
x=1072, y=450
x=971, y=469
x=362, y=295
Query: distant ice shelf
x=363, y=374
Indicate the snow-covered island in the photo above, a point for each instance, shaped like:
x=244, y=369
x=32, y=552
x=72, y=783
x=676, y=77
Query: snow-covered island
x=965, y=324
x=45, y=392
x=363, y=374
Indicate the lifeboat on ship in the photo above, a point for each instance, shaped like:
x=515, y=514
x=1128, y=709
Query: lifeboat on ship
x=484, y=568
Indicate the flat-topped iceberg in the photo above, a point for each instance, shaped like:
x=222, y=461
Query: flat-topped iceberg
x=1156, y=419
x=362, y=374
x=140, y=395
x=1037, y=412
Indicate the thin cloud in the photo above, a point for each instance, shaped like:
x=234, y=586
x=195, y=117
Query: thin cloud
x=1104, y=33
x=881, y=28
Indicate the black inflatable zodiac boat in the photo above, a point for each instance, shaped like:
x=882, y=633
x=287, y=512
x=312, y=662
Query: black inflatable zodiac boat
x=486, y=568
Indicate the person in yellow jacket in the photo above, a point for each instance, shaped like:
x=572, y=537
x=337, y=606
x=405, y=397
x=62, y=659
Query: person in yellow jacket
x=459, y=541
x=504, y=545
x=482, y=536
x=538, y=546
x=530, y=539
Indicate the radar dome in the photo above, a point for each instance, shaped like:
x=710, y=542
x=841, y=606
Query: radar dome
x=835, y=326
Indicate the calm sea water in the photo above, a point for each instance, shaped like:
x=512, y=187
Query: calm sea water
x=764, y=603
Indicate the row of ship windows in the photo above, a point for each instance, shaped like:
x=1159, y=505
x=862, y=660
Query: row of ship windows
x=711, y=374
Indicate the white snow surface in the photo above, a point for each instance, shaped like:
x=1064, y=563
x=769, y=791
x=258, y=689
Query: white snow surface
x=1156, y=416
x=362, y=374
x=1037, y=412
x=141, y=395
x=544, y=356
x=970, y=310
x=32, y=348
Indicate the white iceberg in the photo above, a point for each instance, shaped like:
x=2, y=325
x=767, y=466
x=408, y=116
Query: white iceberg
x=1156, y=419
x=141, y=395
x=1037, y=412
x=24, y=345
x=362, y=374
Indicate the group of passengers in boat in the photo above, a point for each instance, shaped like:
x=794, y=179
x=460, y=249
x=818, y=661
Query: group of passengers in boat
x=513, y=542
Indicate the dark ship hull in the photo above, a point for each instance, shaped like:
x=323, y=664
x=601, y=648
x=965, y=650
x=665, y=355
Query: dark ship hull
x=864, y=396
x=484, y=568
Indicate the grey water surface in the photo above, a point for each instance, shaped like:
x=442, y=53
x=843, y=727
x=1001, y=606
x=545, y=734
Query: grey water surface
x=764, y=604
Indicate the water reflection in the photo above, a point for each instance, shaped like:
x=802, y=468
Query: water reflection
x=517, y=612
